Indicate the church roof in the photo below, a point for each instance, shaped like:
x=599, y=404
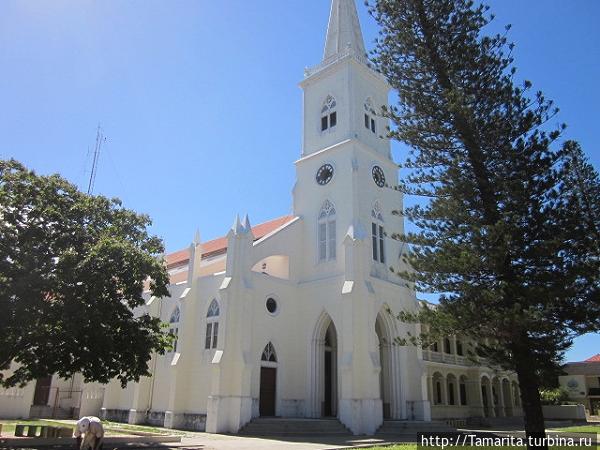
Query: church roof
x=595, y=358
x=344, y=30
x=219, y=246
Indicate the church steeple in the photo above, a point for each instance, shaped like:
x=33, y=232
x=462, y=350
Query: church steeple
x=343, y=30
x=344, y=95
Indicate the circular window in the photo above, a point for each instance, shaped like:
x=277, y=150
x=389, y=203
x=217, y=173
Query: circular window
x=271, y=305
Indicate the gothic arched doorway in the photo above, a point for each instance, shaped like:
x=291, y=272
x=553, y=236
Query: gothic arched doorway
x=324, y=369
x=268, y=382
x=390, y=383
x=385, y=362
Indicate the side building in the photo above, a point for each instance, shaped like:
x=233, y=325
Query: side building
x=582, y=383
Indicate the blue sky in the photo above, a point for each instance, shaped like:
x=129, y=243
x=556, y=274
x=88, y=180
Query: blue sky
x=200, y=102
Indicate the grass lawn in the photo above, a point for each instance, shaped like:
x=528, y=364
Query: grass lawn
x=111, y=428
x=395, y=447
x=124, y=427
x=8, y=426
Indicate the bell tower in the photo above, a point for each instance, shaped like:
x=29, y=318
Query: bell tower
x=346, y=163
x=343, y=95
x=344, y=194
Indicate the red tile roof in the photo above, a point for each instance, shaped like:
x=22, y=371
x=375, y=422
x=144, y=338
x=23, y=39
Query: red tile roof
x=595, y=358
x=219, y=245
x=177, y=258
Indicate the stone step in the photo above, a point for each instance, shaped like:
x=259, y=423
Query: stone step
x=267, y=426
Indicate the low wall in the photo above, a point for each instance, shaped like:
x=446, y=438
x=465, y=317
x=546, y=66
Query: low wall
x=156, y=418
x=16, y=402
x=441, y=412
x=193, y=422
x=109, y=441
x=115, y=415
x=183, y=421
x=564, y=412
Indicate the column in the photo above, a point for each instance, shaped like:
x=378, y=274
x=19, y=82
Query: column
x=431, y=393
x=501, y=406
x=476, y=398
x=457, y=392
x=444, y=383
x=511, y=400
x=490, y=398
x=453, y=348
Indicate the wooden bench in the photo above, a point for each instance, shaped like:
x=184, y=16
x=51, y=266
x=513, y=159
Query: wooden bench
x=65, y=432
x=20, y=430
x=46, y=431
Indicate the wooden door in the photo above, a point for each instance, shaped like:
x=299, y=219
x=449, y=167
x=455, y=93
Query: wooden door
x=268, y=383
x=42, y=391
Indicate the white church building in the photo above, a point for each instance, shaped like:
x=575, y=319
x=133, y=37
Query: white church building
x=295, y=317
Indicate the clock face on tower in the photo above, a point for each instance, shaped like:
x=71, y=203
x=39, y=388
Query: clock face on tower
x=378, y=176
x=324, y=174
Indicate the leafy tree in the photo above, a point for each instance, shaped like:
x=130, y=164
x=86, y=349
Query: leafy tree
x=72, y=272
x=557, y=396
x=507, y=234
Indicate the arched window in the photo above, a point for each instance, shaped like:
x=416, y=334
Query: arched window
x=328, y=113
x=447, y=346
x=326, y=232
x=370, y=115
x=451, y=393
x=450, y=386
x=459, y=348
x=269, y=354
x=212, y=325
x=377, y=234
x=438, y=392
x=174, y=325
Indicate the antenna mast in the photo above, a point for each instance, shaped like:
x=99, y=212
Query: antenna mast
x=99, y=139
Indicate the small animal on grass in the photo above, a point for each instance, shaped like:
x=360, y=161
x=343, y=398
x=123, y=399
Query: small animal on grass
x=89, y=434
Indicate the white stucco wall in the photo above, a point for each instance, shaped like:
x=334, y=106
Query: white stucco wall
x=564, y=412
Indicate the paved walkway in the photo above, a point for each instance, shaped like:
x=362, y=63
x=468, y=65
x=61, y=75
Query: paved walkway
x=207, y=441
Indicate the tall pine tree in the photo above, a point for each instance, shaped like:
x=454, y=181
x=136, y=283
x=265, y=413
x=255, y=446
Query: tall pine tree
x=507, y=235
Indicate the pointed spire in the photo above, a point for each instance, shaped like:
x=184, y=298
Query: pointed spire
x=344, y=30
x=237, y=227
x=197, y=239
x=246, y=223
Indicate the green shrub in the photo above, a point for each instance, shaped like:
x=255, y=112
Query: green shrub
x=558, y=396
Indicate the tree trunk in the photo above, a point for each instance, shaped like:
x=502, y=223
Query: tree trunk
x=530, y=401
